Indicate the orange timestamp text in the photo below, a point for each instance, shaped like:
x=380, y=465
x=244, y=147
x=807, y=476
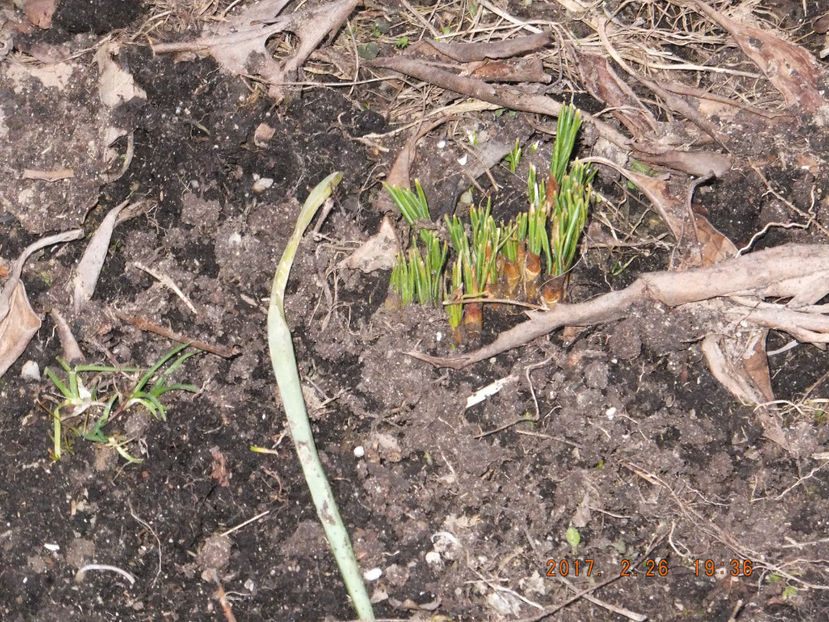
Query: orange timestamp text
x=648, y=568
x=584, y=568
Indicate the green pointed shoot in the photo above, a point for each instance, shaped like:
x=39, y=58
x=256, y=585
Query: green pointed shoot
x=536, y=192
x=569, y=122
x=412, y=205
x=455, y=311
x=284, y=364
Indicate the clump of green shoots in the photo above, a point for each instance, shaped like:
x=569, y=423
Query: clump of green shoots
x=418, y=274
x=506, y=260
x=95, y=413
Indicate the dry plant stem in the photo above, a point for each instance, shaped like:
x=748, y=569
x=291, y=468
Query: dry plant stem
x=505, y=96
x=790, y=270
x=506, y=48
x=221, y=596
x=54, y=175
x=151, y=327
x=675, y=102
x=167, y=282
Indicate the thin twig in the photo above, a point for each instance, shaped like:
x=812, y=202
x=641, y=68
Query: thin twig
x=167, y=282
x=79, y=576
x=627, y=613
x=147, y=526
x=146, y=325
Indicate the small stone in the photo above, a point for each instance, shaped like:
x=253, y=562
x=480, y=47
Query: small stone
x=373, y=574
x=262, y=184
x=30, y=371
x=263, y=134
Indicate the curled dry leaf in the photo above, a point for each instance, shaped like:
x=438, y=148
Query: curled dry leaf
x=17, y=328
x=18, y=321
x=90, y=265
x=115, y=84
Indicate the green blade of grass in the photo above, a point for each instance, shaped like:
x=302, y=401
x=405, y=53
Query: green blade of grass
x=158, y=365
x=285, y=369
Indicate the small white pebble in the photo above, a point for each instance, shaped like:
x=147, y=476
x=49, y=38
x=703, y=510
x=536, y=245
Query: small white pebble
x=359, y=451
x=235, y=238
x=442, y=144
x=610, y=413
x=463, y=159
x=30, y=371
x=52, y=547
x=373, y=574
x=260, y=185
x=438, y=336
x=433, y=559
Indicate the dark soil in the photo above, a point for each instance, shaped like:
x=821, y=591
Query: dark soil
x=619, y=431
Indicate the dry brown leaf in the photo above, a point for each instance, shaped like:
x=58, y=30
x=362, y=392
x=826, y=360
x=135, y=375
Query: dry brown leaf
x=263, y=134
x=115, y=84
x=18, y=322
x=739, y=366
x=378, y=252
x=603, y=83
x=700, y=163
x=17, y=328
x=92, y=261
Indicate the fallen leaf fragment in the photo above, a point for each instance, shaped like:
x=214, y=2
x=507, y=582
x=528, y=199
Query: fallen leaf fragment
x=18, y=321
x=792, y=70
x=40, y=12
x=378, y=252
x=17, y=328
x=239, y=44
x=92, y=261
x=115, y=84
x=219, y=470
x=263, y=134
